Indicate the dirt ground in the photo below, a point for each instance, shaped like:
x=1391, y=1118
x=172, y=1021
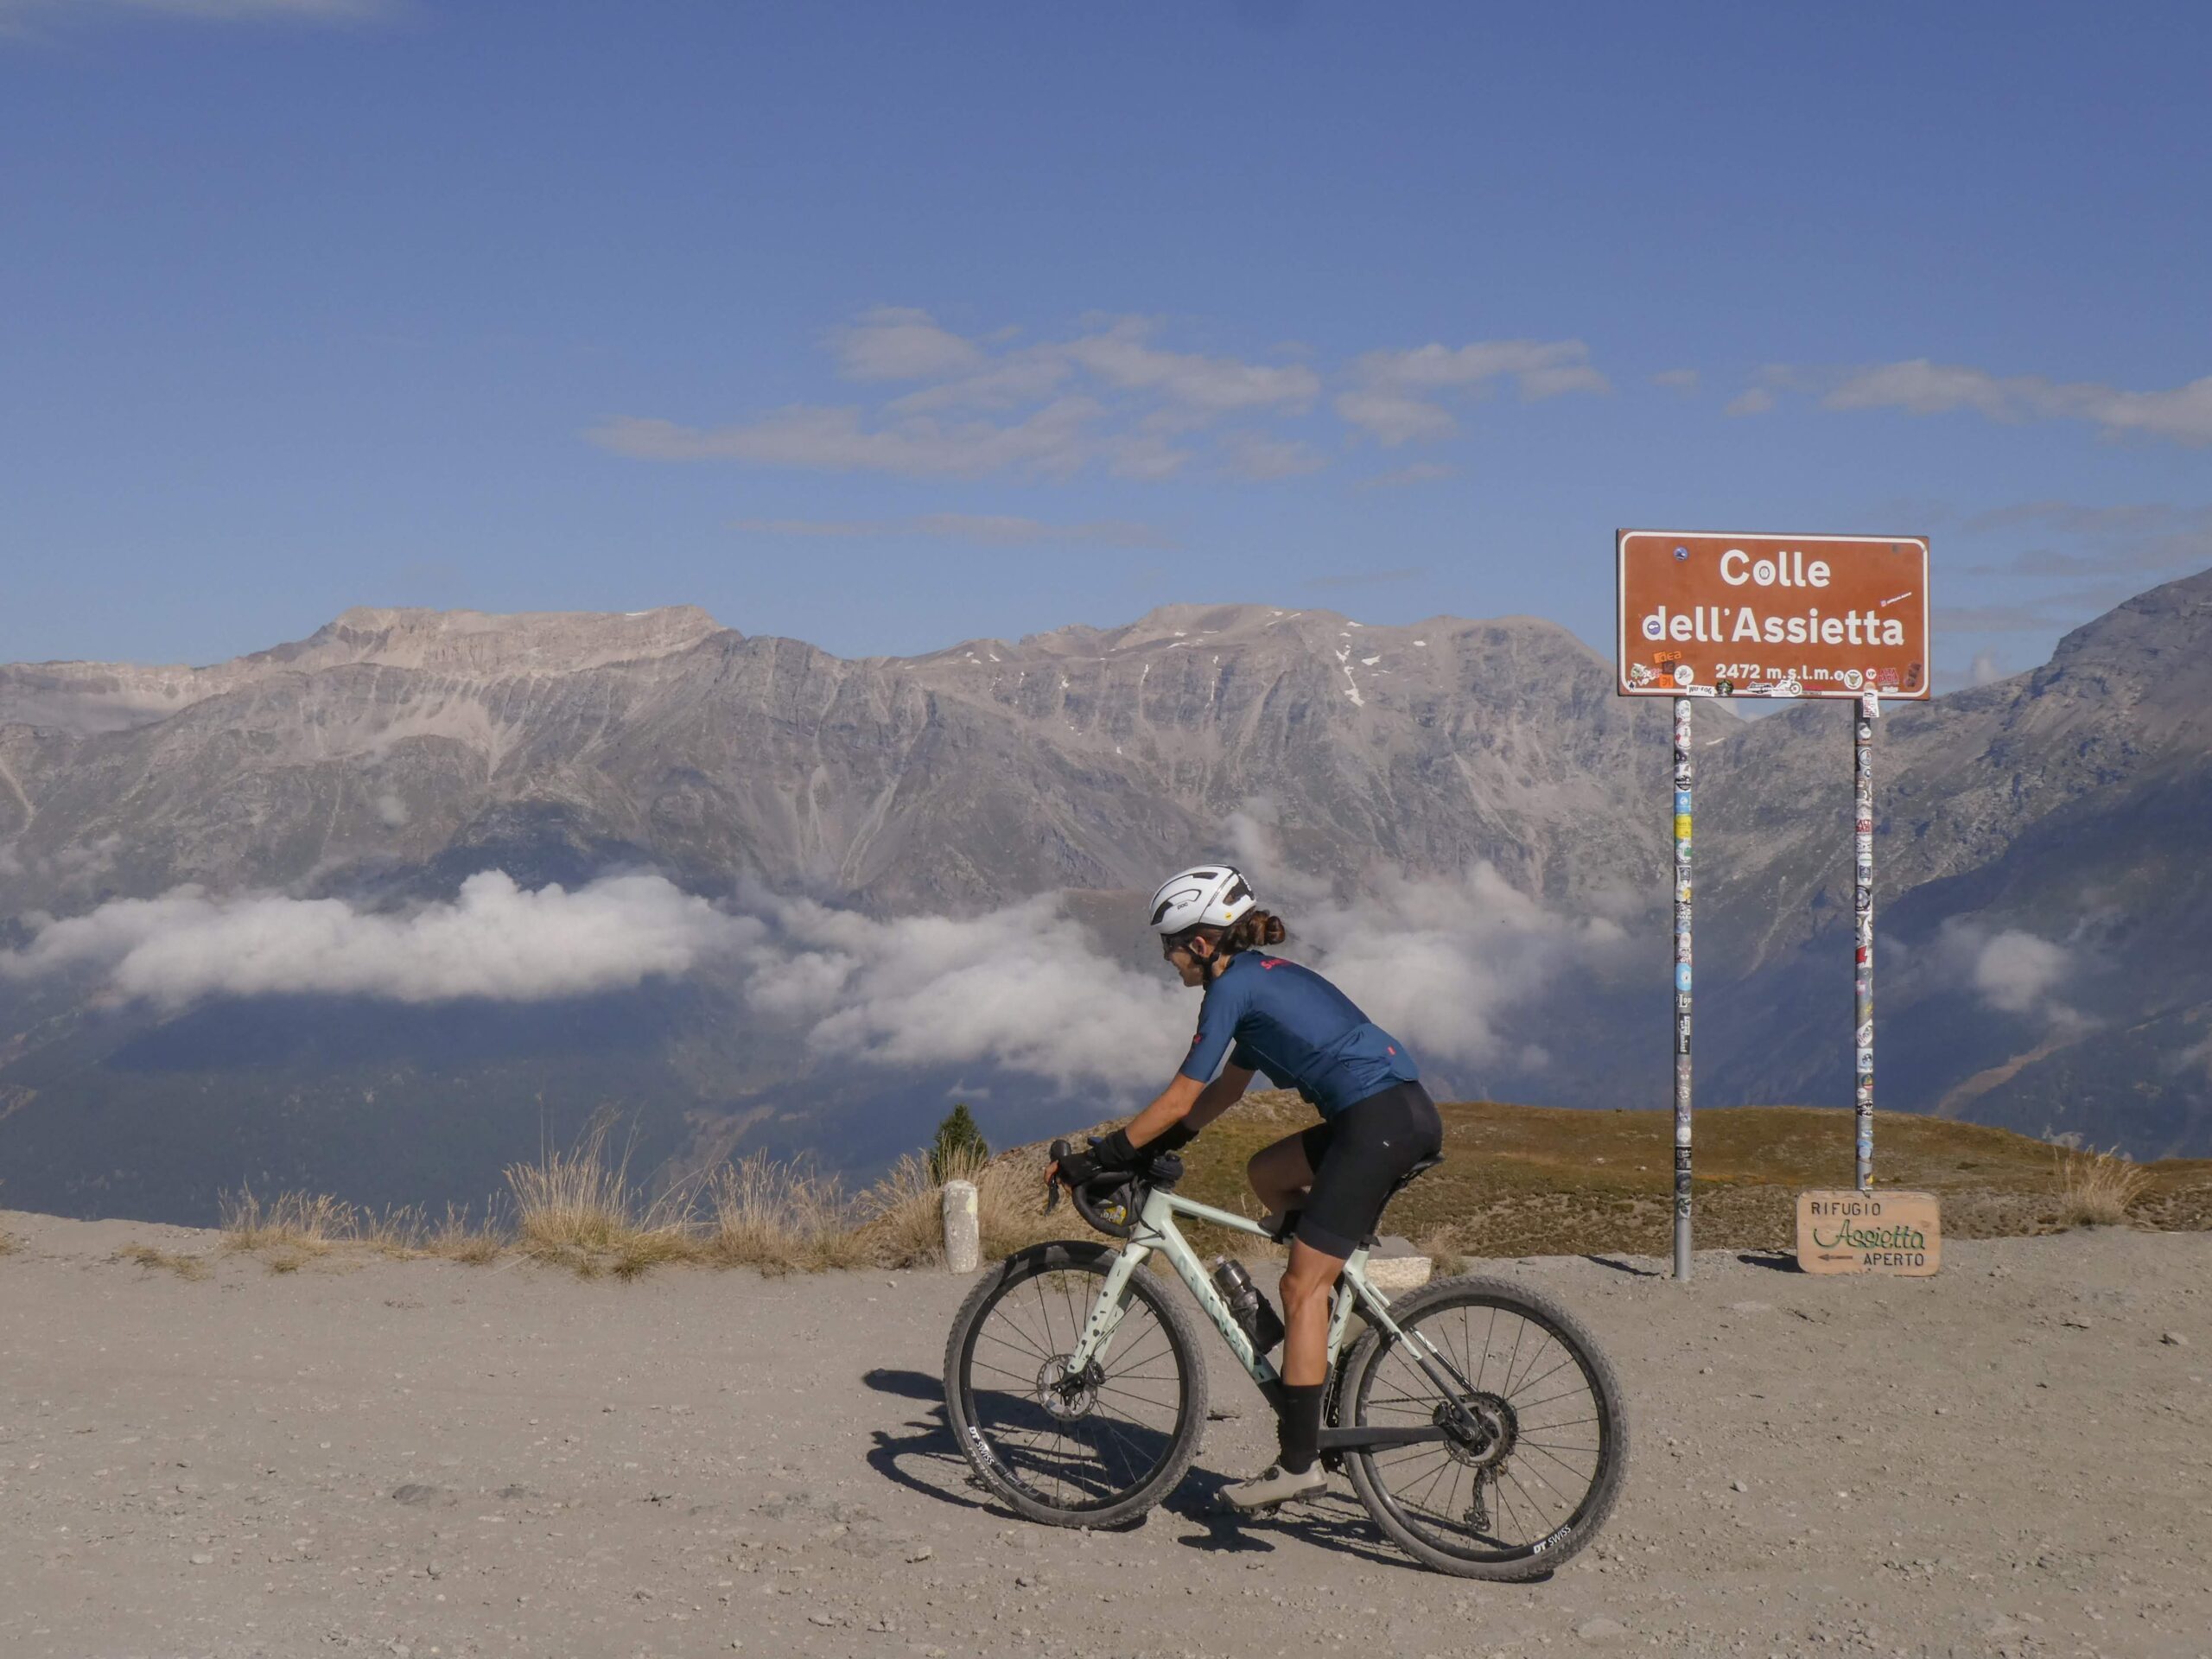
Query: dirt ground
x=426, y=1457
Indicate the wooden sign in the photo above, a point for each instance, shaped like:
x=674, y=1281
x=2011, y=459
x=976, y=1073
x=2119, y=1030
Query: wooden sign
x=1707, y=615
x=1869, y=1232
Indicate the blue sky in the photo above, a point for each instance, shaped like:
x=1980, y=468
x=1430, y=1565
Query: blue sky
x=886, y=327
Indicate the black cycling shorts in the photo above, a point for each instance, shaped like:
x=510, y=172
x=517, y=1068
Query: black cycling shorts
x=1356, y=1156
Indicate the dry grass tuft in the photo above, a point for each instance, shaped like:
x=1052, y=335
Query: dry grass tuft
x=459, y=1239
x=1441, y=1246
x=579, y=1210
x=295, y=1227
x=185, y=1266
x=2095, y=1189
x=777, y=1217
x=305, y=1223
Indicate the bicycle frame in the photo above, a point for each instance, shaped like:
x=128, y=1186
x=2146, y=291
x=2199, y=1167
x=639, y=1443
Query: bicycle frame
x=1155, y=1229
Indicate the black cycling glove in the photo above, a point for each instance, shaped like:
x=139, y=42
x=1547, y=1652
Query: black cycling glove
x=1111, y=1154
x=1108, y=1154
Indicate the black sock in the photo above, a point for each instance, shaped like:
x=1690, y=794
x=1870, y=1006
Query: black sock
x=1297, y=1429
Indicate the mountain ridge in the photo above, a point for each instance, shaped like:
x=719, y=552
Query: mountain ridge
x=2039, y=847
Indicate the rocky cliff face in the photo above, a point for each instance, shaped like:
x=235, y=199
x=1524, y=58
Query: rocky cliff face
x=1078, y=758
x=2040, y=856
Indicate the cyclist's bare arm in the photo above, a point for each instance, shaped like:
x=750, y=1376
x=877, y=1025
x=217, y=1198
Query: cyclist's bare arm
x=1188, y=1102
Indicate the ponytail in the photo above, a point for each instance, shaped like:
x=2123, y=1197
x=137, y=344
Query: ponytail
x=1253, y=929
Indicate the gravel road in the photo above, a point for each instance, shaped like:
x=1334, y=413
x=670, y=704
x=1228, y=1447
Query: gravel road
x=420, y=1458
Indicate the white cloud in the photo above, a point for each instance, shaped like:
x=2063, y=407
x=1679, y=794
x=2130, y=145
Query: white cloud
x=14, y=13
x=1021, y=986
x=391, y=809
x=78, y=864
x=1054, y=441
x=1984, y=669
x=1443, y=963
x=2148, y=537
x=899, y=343
x=2047, y=613
x=2183, y=415
x=1393, y=416
x=1421, y=472
x=2196, y=1054
x=1676, y=380
x=494, y=940
x=1369, y=578
x=1253, y=456
x=1121, y=357
x=1395, y=394
x=1111, y=397
x=995, y=530
x=2011, y=970
x=2015, y=970
x=1756, y=400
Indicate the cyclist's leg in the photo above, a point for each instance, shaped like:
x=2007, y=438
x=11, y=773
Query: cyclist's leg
x=1282, y=1174
x=1307, y=1283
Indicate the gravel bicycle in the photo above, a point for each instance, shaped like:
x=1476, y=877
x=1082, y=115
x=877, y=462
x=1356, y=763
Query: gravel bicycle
x=1478, y=1422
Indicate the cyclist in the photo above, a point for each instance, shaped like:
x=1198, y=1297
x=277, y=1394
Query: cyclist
x=1326, y=1185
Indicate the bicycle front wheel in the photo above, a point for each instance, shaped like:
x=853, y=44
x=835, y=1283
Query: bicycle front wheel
x=1533, y=1487
x=1087, y=1447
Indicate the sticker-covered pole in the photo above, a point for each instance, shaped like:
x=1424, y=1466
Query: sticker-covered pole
x=1682, y=988
x=1862, y=910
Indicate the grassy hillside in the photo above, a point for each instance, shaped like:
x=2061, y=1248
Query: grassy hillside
x=1531, y=1180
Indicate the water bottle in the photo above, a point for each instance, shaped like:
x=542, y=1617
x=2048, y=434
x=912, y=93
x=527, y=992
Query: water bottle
x=1262, y=1327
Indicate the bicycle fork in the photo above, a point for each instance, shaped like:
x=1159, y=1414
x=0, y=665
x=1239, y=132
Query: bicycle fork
x=1106, y=1313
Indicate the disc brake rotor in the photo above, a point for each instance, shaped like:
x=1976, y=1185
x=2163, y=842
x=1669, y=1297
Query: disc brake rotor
x=1065, y=1393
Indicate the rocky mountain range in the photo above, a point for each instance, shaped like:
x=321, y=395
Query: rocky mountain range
x=838, y=854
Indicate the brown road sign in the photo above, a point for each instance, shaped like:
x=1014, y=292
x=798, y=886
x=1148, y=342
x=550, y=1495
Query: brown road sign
x=1772, y=616
x=1848, y=1231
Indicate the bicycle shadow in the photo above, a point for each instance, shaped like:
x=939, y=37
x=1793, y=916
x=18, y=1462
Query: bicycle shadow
x=929, y=1461
x=943, y=1471
x=1337, y=1522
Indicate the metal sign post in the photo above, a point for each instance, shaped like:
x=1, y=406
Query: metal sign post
x=1862, y=909
x=1711, y=614
x=1682, y=772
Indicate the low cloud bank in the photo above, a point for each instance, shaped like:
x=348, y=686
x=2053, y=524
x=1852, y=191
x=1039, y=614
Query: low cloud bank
x=1448, y=964
x=1023, y=987
x=494, y=940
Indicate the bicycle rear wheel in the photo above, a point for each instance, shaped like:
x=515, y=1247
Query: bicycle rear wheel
x=1546, y=1470
x=1092, y=1449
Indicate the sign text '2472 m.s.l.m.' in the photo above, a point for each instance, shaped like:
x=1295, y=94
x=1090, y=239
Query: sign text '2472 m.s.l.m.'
x=1767, y=616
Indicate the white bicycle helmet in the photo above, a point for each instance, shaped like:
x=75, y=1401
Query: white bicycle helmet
x=1206, y=895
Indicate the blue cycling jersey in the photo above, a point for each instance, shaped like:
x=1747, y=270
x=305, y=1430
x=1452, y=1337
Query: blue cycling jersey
x=1269, y=1015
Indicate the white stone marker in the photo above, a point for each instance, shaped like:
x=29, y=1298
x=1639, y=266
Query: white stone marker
x=962, y=1233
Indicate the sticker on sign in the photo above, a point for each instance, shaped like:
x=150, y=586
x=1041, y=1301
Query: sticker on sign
x=1705, y=613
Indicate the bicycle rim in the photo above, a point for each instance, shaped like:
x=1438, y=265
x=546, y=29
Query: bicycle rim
x=1551, y=1408
x=1064, y=1444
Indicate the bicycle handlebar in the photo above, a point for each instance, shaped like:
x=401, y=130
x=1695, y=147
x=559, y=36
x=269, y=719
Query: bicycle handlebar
x=1111, y=1203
